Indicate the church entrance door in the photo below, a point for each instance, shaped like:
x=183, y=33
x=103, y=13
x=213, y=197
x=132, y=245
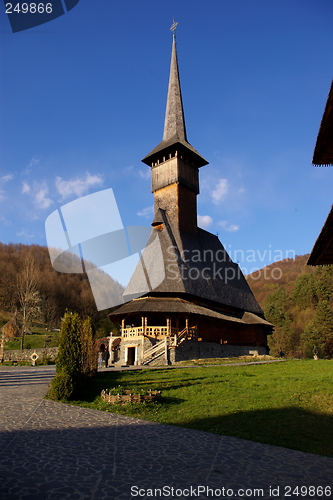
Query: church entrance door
x=130, y=355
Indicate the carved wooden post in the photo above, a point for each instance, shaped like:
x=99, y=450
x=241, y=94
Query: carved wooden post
x=122, y=326
x=166, y=349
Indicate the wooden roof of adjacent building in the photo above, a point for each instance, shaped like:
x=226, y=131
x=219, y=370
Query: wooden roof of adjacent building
x=323, y=153
x=322, y=252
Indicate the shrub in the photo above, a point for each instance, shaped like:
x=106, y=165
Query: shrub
x=44, y=360
x=76, y=359
x=62, y=387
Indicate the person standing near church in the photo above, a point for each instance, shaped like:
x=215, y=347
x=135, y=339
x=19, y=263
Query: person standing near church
x=106, y=356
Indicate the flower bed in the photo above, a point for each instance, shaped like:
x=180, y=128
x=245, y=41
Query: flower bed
x=127, y=396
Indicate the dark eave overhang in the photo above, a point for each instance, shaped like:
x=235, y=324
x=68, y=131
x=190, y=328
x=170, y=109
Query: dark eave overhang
x=174, y=147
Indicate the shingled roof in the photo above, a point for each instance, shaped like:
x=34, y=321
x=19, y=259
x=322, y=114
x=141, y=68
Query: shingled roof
x=197, y=266
x=177, y=305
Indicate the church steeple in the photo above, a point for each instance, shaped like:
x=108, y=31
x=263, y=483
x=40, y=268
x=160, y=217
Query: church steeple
x=174, y=136
x=175, y=163
x=174, y=124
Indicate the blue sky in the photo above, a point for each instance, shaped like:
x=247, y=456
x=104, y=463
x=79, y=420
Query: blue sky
x=82, y=100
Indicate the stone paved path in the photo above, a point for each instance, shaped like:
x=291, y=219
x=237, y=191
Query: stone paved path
x=52, y=451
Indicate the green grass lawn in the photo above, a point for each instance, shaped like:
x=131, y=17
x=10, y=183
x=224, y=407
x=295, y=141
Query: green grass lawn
x=34, y=341
x=286, y=404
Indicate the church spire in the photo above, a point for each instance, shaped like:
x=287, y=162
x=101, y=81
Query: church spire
x=174, y=136
x=174, y=124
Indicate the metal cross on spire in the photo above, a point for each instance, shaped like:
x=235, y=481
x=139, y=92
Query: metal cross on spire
x=173, y=28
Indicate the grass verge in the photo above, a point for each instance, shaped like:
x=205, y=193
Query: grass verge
x=286, y=404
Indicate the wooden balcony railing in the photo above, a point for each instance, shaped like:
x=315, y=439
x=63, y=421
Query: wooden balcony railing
x=157, y=331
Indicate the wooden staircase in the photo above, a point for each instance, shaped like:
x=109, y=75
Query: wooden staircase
x=168, y=343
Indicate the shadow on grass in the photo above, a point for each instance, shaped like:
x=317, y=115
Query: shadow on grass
x=289, y=427
x=106, y=380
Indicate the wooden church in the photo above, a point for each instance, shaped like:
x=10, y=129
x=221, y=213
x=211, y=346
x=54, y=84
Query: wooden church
x=203, y=307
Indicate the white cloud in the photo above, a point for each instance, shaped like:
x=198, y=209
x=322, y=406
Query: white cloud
x=205, y=221
x=145, y=174
x=228, y=227
x=146, y=212
x=38, y=193
x=34, y=161
x=6, y=178
x=78, y=186
x=25, y=233
x=232, y=228
x=3, y=180
x=5, y=221
x=40, y=196
x=32, y=215
x=25, y=188
x=219, y=193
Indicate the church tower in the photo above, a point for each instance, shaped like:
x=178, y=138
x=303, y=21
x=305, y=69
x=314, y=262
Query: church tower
x=174, y=162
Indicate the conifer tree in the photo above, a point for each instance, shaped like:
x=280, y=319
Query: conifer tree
x=277, y=306
x=89, y=349
x=324, y=276
x=69, y=360
x=319, y=333
x=305, y=291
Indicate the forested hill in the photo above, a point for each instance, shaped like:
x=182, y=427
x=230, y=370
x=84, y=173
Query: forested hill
x=30, y=286
x=282, y=273
x=298, y=300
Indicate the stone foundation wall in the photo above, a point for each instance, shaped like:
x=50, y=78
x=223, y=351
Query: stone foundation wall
x=202, y=350
x=24, y=354
x=187, y=350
